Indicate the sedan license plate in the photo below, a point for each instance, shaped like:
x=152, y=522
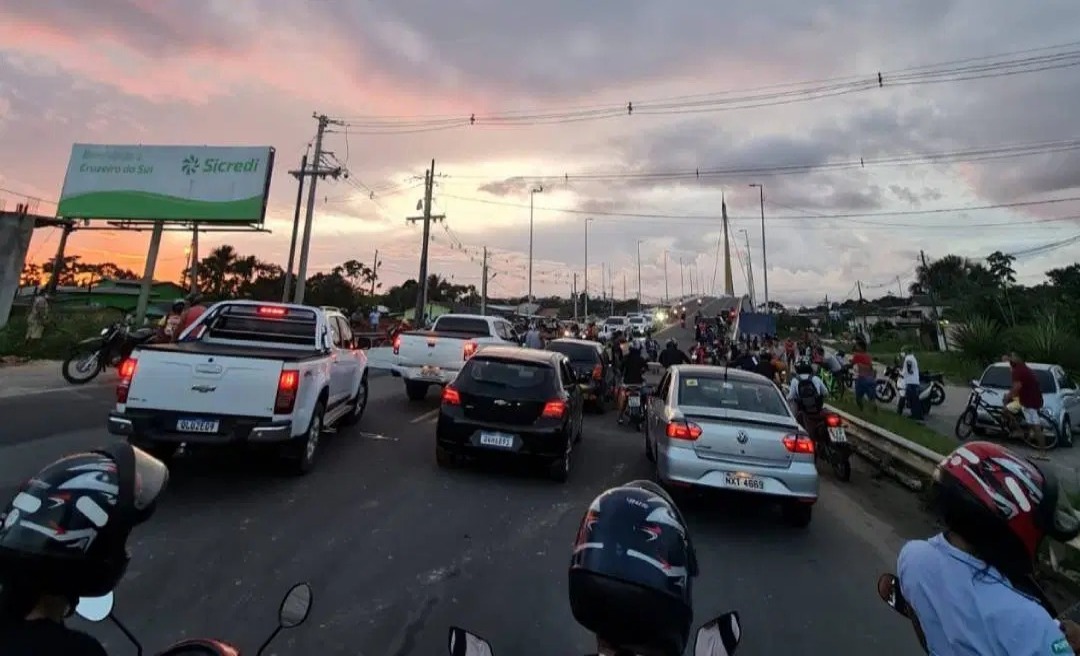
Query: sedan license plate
x=499, y=440
x=197, y=425
x=837, y=434
x=744, y=482
x=634, y=401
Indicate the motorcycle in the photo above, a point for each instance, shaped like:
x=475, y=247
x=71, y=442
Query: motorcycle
x=931, y=388
x=719, y=637
x=635, y=404
x=294, y=611
x=835, y=448
x=112, y=346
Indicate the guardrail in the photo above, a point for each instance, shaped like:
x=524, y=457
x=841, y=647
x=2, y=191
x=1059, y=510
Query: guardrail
x=916, y=465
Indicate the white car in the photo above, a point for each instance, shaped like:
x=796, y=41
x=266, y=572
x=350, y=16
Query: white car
x=245, y=373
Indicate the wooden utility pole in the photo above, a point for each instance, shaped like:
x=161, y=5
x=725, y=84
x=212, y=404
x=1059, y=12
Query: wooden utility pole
x=316, y=171
x=484, y=284
x=375, y=271
x=427, y=218
x=573, y=294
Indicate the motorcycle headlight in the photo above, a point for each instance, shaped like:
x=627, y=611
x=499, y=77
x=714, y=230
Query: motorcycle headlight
x=104, y=331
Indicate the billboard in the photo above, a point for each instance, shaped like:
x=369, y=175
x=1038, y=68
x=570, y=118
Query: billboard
x=170, y=183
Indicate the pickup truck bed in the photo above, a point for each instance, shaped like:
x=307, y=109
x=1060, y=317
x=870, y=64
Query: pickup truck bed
x=225, y=350
x=448, y=334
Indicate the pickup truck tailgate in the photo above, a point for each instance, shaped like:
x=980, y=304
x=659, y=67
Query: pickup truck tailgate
x=432, y=350
x=215, y=385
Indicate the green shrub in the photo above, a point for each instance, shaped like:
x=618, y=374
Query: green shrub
x=63, y=329
x=981, y=340
x=1047, y=340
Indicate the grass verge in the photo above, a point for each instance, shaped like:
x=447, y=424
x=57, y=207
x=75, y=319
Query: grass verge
x=957, y=370
x=886, y=418
x=62, y=331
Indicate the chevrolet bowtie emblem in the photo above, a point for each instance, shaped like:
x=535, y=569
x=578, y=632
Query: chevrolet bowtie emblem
x=203, y=388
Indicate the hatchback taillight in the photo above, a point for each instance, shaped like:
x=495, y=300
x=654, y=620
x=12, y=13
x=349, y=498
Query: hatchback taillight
x=288, y=384
x=598, y=372
x=451, y=396
x=683, y=430
x=127, y=374
x=555, y=409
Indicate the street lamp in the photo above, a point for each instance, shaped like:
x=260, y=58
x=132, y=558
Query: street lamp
x=639, y=275
x=587, y=222
x=532, y=194
x=764, y=256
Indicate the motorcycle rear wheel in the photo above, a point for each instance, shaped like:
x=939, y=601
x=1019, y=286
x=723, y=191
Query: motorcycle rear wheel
x=884, y=391
x=937, y=395
x=81, y=368
x=841, y=464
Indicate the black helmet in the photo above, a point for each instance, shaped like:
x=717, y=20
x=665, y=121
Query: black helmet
x=804, y=368
x=631, y=570
x=673, y=343
x=178, y=306
x=65, y=531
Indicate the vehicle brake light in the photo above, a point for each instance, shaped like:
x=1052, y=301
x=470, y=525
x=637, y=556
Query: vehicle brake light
x=271, y=311
x=451, y=396
x=555, y=409
x=832, y=421
x=127, y=373
x=681, y=430
x=397, y=344
x=468, y=350
x=799, y=444
x=598, y=372
x=288, y=384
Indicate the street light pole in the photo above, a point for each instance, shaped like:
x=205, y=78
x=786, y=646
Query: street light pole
x=532, y=194
x=639, y=275
x=764, y=255
x=587, y=222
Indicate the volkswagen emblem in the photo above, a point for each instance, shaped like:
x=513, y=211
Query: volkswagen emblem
x=742, y=437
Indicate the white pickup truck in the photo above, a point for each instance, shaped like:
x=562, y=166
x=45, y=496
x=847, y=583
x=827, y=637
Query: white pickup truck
x=245, y=373
x=612, y=324
x=434, y=357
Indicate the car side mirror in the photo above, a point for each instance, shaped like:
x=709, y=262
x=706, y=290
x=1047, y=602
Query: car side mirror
x=974, y=383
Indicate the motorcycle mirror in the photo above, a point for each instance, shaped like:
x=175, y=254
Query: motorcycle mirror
x=719, y=637
x=465, y=643
x=94, y=609
x=295, y=607
x=888, y=588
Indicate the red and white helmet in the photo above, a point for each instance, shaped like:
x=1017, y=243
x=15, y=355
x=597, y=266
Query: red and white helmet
x=987, y=481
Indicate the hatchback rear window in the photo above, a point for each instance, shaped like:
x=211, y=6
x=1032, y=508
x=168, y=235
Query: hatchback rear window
x=999, y=376
x=576, y=352
x=709, y=392
x=506, y=376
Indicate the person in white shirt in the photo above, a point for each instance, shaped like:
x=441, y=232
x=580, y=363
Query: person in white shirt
x=909, y=371
x=533, y=338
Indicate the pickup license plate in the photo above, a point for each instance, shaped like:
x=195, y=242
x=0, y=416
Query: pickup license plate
x=633, y=401
x=428, y=371
x=499, y=440
x=197, y=425
x=837, y=434
x=744, y=482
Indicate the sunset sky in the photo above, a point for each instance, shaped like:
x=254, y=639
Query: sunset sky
x=727, y=86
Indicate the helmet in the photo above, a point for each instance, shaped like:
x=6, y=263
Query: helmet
x=804, y=368
x=632, y=568
x=65, y=531
x=178, y=306
x=995, y=499
x=672, y=343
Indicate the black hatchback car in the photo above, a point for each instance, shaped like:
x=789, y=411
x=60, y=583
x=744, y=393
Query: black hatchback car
x=592, y=367
x=514, y=401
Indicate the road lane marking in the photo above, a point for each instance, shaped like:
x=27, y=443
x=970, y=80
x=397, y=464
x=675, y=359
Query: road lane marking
x=427, y=416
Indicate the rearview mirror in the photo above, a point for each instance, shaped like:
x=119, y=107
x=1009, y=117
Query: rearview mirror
x=719, y=637
x=888, y=588
x=466, y=643
x=95, y=609
x=295, y=607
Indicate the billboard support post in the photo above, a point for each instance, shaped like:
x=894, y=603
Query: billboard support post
x=148, y=272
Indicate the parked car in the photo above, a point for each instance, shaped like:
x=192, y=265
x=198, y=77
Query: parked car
x=517, y=402
x=719, y=428
x=245, y=373
x=591, y=365
x=434, y=357
x=1061, y=396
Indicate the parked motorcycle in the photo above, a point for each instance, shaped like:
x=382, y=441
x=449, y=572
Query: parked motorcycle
x=931, y=386
x=294, y=611
x=112, y=346
x=719, y=637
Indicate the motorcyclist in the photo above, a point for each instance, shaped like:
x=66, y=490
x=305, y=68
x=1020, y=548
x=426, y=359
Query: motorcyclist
x=672, y=354
x=807, y=392
x=632, y=570
x=634, y=368
x=167, y=327
x=64, y=536
x=972, y=589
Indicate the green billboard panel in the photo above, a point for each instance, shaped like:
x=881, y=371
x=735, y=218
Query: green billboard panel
x=167, y=183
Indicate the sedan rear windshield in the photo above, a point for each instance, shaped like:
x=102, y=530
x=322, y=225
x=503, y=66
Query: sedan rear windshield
x=509, y=378
x=1000, y=377
x=745, y=396
x=576, y=352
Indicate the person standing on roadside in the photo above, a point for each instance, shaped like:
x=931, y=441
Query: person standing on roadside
x=865, y=376
x=1027, y=393
x=909, y=369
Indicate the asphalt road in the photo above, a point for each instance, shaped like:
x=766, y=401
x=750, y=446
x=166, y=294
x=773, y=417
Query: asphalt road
x=398, y=550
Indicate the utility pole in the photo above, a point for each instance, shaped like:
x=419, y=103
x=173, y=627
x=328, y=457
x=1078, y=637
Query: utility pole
x=427, y=218
x=624, y=295
x=639, y=276
x=942, y=344
x=573, y=293
x=899, y=288
x=194, y=258
x=682, y=282
x=532, y=194
x=667, y=299
x=586, y=312
x=316, y=173
x=858, y=284
x=58, y=261
x=691, y=276
x=484, y=284
x=299, y=175
x=750, y=270
x=764, y=252
x=375, y=271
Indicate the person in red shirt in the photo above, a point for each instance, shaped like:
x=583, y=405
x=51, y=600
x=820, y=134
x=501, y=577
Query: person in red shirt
x=865, y=376
x=1026, y=390
x=190, y=315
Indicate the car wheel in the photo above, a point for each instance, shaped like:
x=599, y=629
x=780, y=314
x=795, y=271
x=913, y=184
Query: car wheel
x=1066, y=439
x=306, y=447
x=359, y=403
x=798, y=514
x=416, y=391
x=649, y=453
x=559, y=469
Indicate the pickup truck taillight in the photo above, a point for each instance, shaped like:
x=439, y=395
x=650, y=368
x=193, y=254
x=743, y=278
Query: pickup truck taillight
x=127, y=373
x=288, y=383
x=397, y=344
x=468, y=350
x=598, y=372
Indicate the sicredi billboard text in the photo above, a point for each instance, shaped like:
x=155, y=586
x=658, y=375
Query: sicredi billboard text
x=170, y=183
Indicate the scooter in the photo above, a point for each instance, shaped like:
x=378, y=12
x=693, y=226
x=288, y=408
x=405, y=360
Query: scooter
x=719, y=637
x=294, y=611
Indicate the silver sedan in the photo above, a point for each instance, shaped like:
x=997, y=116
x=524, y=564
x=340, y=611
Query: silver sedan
x=719, y=428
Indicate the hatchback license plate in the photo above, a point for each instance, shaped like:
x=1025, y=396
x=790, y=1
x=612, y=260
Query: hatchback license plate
x=197, y=425
x=837, y=434
x=500, y=440
x=634, y=401
x=744, y=482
